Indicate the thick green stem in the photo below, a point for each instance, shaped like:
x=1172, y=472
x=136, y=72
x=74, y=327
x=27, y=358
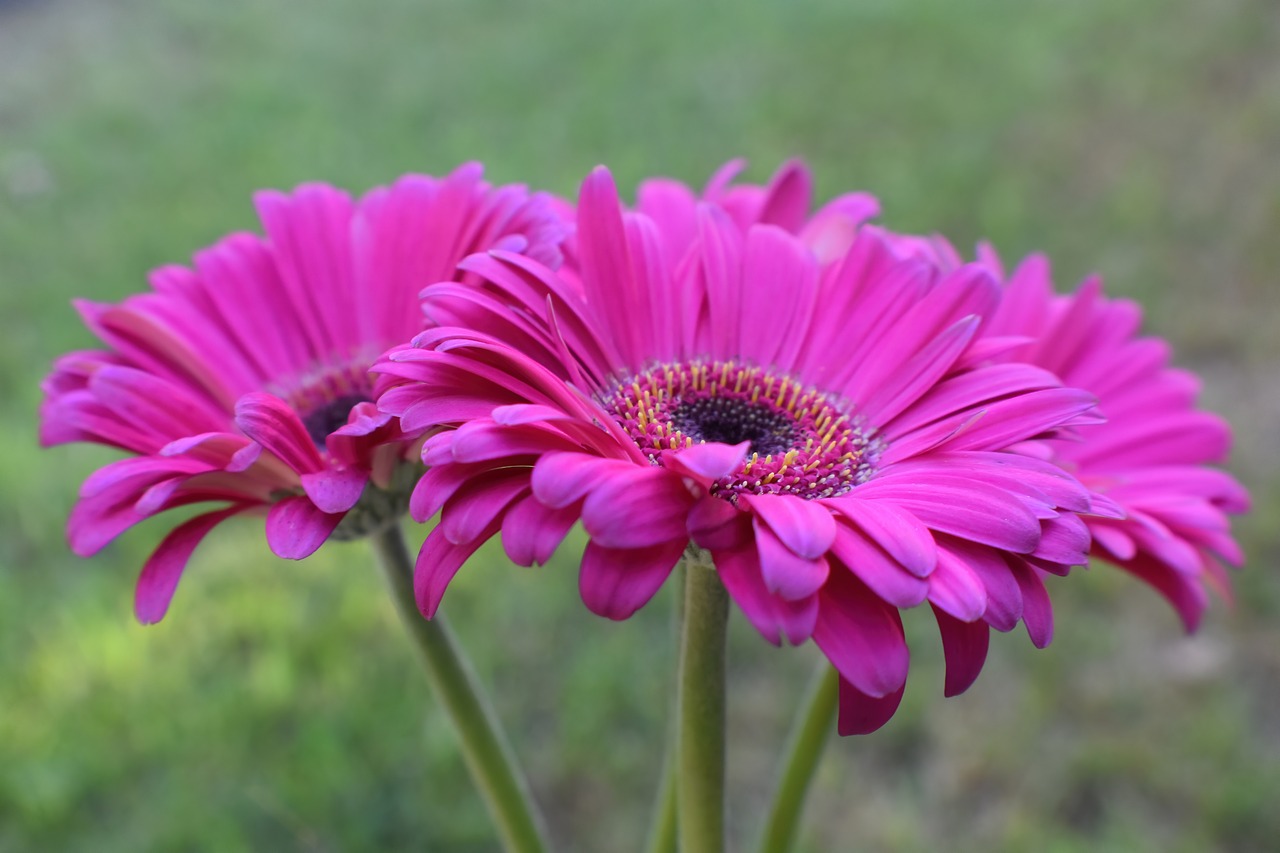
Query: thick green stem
x=488, y=757
x=700, y=737
x=802, y=752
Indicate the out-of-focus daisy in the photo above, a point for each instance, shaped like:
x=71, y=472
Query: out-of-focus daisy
x=243, y=380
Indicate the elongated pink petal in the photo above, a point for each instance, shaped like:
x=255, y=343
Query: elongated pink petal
x=806, y=527
x=1037, y=612
x=862, y=636
x=883, y=575
x=296, y=527
x=707, y=462
x=438, y=561
x=531, y=532
x=718, y=525
x=616, y=582
x=561, y=479
x=964, y=645
x=163, y=569
x=897, y=531
x=481, y=502
x=785, y=573
x=862, y=714
x=773, y=616
x=639, y=508
x=335, y=489
x=269, y=421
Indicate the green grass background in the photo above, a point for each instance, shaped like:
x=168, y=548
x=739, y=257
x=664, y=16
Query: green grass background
x=278, y=708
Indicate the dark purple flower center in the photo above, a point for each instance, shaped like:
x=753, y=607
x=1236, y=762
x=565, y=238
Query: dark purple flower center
x=801, y=441
x=329, y=416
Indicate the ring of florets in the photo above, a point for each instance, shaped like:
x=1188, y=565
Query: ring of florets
x=802, y=441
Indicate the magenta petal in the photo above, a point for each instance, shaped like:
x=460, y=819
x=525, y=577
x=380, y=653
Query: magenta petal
x=898, y=532
x=1004, y=598
x=785, y=574
x=531, y=532
x=637, y=509
x=885, y=576
x=528, y=413
x=561, y=479
x=480, y=503
x=862, y=636
x=438, y=561
x=707, y=462
x=772, y=616
x=616, y=582
x=964, y=647
x=806, y=527
x=270, y=421
x=335, y=490
x=964, y=507
x=296, y=527
x=1037, y=612
x=955, y=588
x=160, y=575
x=861, y=714
x=717, y=525
x=1064, y=540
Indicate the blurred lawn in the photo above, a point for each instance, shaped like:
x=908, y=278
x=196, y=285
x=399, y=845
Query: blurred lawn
x=278, y=708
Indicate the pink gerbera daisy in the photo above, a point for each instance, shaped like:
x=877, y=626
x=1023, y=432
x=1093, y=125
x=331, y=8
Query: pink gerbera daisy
x=1153, y=454
x=244, y=380
x=829, y=432
x=1148, y=463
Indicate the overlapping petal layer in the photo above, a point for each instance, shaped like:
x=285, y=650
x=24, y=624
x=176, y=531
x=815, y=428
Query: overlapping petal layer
x=1153, y=458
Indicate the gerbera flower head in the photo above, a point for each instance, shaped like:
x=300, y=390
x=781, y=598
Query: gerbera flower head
x=1154, y=457
x=243, y=380
x=828, y=432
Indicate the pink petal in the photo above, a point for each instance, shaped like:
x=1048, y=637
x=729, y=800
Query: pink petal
x=531, y=532
x=438, y=561
x=806, y=527
x=955, y=588
x=163, y=569
x=335, y=490
x=964, y=507
x=1037, y=612
x=903, y=536
x=717, y=525
x=883, y=575
x=706, y=462
x=964, y=646
x=637, y=508
x=785, y=574
x=479, y=504
x=615, y=583
x=561, y=479
x=270, y=421
x=296, y=527
x=771, y=615
x=862, y=636
x=861, y=714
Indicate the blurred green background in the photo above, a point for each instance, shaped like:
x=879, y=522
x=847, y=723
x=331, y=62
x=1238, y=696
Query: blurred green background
x=278, y=706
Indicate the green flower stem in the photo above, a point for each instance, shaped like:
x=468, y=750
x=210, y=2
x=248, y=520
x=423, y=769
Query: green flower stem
x=803, y=749
x=662, y=828
x=662, y=834
x=485, y=750
x=701, y=713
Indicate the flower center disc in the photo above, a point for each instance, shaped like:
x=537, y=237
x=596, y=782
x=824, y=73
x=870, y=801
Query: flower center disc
x=801, y=441
x=323, y=420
